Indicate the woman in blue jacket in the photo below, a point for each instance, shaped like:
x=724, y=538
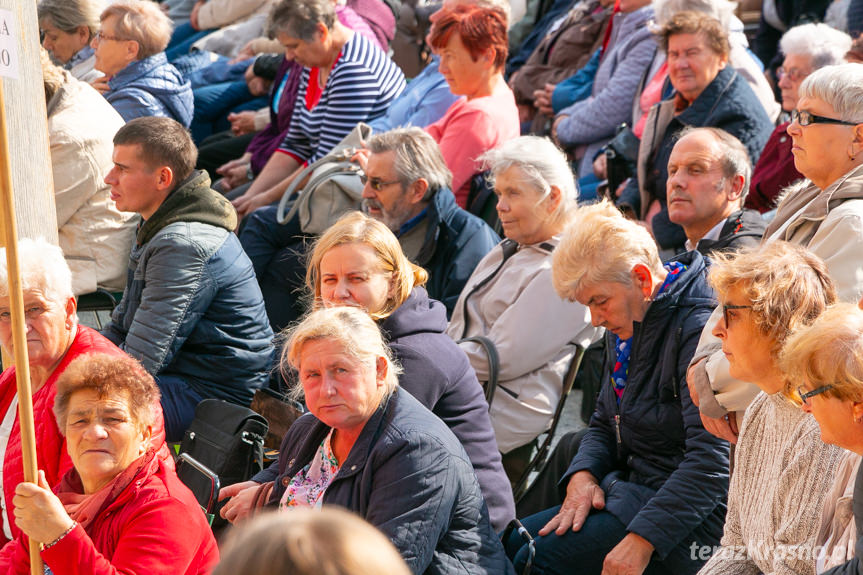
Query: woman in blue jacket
x=649, y=481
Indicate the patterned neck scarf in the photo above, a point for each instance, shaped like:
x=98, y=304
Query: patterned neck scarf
x=623, y=348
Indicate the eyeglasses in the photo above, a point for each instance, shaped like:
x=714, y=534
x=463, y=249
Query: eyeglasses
x=805, y=395
x=805, y=118
x=30, y=313
x=100, y=36
x=376, y=183
x=727, y=307
x=794, y=74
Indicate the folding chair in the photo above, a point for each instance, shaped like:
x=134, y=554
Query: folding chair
x=99, y=300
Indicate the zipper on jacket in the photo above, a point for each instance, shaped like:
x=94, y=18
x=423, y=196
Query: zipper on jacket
x=617, y=432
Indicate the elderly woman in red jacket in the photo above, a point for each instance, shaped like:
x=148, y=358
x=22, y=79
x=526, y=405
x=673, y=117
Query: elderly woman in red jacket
x=54, y=339
x=122, y=508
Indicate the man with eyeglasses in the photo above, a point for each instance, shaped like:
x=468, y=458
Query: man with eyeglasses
x=708, y=178
x=823, y=213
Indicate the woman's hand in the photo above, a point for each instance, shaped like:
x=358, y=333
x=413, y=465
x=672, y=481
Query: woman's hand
x=600, y=167
x=583, y=493
x=241, y=161
x=242, y=497
x=247, y=204
x=723, y=427
x=542, y=99
x=245, y=53
x=242, y=122
x=554, y=126
x=629, y=557
x=100, y=84
x=38, y=512
x=193, y=17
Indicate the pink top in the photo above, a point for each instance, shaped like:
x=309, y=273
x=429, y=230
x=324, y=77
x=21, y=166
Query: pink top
x=470, y=128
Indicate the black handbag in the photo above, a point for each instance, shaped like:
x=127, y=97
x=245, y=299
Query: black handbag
x=621, y=155
x=228, y=439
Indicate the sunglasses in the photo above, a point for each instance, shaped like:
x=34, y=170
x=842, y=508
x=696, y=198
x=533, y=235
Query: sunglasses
x=805, y=395
x=805, y=118
x=376, y=184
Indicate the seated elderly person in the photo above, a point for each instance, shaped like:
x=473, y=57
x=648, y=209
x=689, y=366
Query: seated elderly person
x=806, y=48
x=94, y=235
x=707, y=93
x=54, y=339
x=823, y=214
x=510, y=300
x=648, y=481
x=405, y=472
x=589, y=124
x=824, y=365
x=708, y=178
x=122, y=508
x=138, y=80
x=407, y=187
x=764, y=295
x=67, y=28
x=346, y=79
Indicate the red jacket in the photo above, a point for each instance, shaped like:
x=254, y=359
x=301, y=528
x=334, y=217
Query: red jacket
x=51, y=454
x=154, y=526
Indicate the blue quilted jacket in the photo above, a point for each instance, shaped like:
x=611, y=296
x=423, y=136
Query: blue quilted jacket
x=151, y=87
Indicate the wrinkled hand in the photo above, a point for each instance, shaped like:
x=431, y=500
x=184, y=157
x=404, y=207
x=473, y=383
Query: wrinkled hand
x=241, y=161
x=361, y=157
x=235, y=177
x=100, y=84
x=244, y=54
x=247, y=204
x=600, y=167
x=242, y=122
x=629, y=557
x=38, y=512
x=193, y=17
x=724, y=427
x=583, y=493
x=554, y=126
x=242, y=496
x=542, y=99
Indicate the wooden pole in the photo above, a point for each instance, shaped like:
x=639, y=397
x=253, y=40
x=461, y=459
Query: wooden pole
x=19, y=328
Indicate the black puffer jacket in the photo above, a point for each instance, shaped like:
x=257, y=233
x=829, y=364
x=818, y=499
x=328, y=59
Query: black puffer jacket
x=663, y=474
x=437, y=372
x=408, y=476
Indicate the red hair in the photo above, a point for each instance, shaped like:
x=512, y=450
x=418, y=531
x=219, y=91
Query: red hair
x=479, y=27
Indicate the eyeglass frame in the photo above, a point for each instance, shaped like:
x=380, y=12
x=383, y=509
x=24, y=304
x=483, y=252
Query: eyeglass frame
x=726, y=307
x=798, y=115
x=376, y=183
x=99, y=36
x=805, y=395
x=795, y=74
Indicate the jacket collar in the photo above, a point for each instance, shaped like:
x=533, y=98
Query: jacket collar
x=192, y=201
x=137, y=69
x=439, y=210
x=701, y=109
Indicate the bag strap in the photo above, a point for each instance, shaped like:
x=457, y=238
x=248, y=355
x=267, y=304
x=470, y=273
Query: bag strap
x=493, y=364
x=344, y=167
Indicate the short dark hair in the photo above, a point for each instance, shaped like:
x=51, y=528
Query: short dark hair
x=300, y=18
x=163, y=142
x=110, y=376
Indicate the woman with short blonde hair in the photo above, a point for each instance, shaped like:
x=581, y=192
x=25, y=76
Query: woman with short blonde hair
x=764, y=294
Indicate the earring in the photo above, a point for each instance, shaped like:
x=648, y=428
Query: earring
x=858, y=419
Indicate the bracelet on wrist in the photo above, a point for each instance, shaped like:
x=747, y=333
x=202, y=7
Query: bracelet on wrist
x=62, y=535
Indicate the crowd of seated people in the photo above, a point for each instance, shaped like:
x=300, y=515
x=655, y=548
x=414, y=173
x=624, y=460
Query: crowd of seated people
x=428, y=326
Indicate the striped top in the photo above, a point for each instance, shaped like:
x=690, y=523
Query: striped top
x=361, y=86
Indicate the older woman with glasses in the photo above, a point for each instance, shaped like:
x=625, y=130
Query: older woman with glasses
x=825, y=362
x=782, y=469
x=130, y=51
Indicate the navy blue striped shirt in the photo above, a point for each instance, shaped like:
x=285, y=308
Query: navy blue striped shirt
x=361, y=86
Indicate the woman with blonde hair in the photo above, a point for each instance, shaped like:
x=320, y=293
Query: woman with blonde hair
x=309, y=542
x=782, y=469
x=824, y=365
x=369, y=446
x=359, y=262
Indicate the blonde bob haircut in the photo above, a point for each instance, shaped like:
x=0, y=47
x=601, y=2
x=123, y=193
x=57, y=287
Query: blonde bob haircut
x=329, y=541
x=143, y=22
x=601, y=246
x=351, y=327
x=828, y=352
x=358, y=228
x=787, y=285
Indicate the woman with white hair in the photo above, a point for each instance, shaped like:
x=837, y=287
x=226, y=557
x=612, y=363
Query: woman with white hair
x=510, y=300
x=67, y=27
x=648, y=481
x=54, y=339
x=806, y=48
x=130, y=51
x=370, y=447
